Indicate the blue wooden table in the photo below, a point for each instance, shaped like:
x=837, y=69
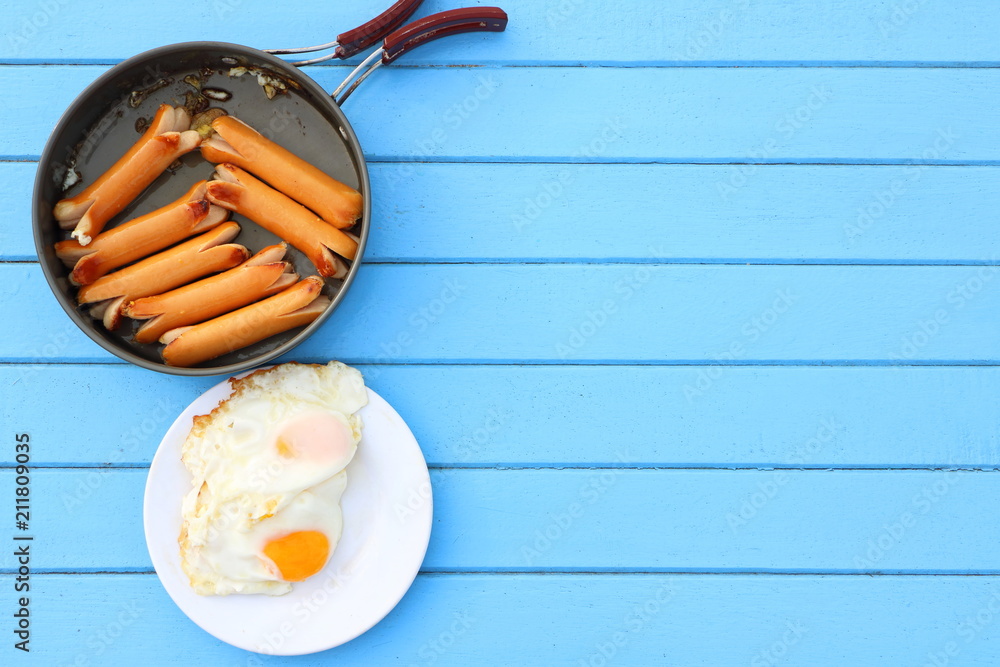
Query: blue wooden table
x=718, y=384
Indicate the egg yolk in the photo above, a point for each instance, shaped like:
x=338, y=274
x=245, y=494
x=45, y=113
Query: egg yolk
x=316, y=437
x=299, y=555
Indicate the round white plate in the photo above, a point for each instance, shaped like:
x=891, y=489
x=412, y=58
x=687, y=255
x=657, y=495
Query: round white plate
x=387, y=524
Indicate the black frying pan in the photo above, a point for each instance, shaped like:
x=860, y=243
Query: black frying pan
x=287, y=106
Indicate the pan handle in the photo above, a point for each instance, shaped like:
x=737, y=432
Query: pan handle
x=353, y=41
x=442, y=24
x=359, y=39
x=427, y=29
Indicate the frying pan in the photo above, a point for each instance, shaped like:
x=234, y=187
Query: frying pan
x=274, y=97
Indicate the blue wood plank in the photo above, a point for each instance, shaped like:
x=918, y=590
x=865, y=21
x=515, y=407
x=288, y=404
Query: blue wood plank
x=571, y=32
x=696, y=620
x=716, y=315
x=779, y=213
x=16, y=183
x=527, y=114
x=609, y=520
x=792, y=417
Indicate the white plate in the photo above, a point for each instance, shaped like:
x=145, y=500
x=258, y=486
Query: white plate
x=387, y=524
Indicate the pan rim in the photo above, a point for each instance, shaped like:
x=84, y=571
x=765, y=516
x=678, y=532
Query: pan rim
x=106, y=79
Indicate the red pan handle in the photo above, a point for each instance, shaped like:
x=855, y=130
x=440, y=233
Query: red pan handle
x=359, y=39
x=443, y=24
x=435, y=26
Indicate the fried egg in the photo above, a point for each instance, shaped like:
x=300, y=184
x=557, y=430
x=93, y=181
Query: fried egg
x=268, y=469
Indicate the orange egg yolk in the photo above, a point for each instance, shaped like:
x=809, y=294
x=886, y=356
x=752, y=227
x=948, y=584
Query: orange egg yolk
x=316, y=437
x=299, y=555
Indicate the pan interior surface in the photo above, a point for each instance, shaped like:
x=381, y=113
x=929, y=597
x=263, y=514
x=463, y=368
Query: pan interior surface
x=107, y=119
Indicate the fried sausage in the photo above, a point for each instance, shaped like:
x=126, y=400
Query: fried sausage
x=240, y=192
x=261, y=276
x=296, y=306
x=167, y=138
x=238, y=143
x=141, y=237
x=202, y=255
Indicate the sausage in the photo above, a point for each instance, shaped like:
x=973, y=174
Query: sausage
x=261, y=276
x=202, y=255
x=296, y=306
x=141, y=237
x=167, y=138
x=238, y=143
x=240, y=192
